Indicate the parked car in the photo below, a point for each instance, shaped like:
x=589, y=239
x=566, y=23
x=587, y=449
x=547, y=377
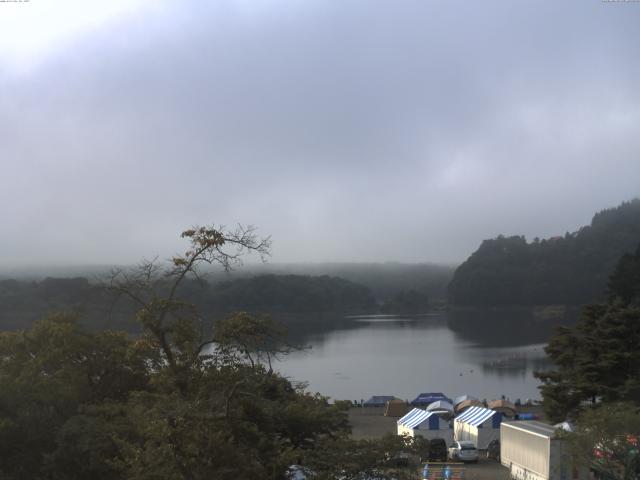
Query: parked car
x=437, y=450
x=493, y=450
x=463, y=451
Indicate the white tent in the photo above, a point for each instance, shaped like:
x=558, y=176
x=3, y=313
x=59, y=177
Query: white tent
x=425, y=424
x=440, y=406
x=478, y=425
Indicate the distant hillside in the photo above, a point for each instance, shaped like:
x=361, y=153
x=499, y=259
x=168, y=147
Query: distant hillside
x=291, y=293
x=23, y=302
x=385, y=280
x=570, y=270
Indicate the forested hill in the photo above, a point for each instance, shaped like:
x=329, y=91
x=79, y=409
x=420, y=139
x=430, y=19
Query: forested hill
x=570, y=270
x=291, y=293
x=23, y=302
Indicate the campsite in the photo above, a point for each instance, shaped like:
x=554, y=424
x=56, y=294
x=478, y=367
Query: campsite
x=472, y=421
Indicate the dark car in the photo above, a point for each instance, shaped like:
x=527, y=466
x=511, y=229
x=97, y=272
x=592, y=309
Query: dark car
x=493, y=450
x=437, y=450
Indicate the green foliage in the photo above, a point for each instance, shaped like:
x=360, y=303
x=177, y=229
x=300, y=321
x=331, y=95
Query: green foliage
x=348, y=459
x=607, y=441
x=624, y=283
x=292, y=293
x=598, y=359
x=76, y=405
x=570, y=270
x=21, y=303
x=47, y=374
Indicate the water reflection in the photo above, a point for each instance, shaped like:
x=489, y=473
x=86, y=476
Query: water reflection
x=402, y=356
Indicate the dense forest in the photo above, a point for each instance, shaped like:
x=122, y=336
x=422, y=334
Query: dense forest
x=568, y=270
x=291, y=293
x=22, y=302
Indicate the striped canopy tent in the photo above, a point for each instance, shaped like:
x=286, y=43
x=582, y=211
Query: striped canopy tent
x=426, y=424
x=478, y=425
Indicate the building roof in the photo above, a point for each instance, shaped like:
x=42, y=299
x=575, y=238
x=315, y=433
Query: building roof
x=414, y=418
x=475, y=416
x=532, y=426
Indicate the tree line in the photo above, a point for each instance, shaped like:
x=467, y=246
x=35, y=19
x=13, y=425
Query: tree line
x=569, y=270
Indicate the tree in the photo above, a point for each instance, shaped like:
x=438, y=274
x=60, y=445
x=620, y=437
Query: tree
x=348, y=459
x=77, y=405
x=624, y=283
x=606, y=440
x=172, y=323
x=252, y=338
x=597, y=360
x=47, y=374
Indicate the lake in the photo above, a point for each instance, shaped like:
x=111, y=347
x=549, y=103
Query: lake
x=406, y=355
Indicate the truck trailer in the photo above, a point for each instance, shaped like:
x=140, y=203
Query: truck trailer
x=531, y=450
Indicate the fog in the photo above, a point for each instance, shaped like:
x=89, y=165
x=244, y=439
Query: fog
x=347, y=130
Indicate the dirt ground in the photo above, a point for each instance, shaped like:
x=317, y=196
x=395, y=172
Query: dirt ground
x=370, y=422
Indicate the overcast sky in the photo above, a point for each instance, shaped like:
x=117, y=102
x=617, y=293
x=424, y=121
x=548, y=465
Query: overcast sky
x=347, y=130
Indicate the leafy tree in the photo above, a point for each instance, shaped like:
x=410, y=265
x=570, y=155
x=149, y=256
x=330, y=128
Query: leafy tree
x=47, y=374
x=252, y=338
x=77, y=405
x=606, y=441
x=348, y=459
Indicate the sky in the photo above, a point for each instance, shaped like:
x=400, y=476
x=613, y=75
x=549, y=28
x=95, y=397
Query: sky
x=347, y=130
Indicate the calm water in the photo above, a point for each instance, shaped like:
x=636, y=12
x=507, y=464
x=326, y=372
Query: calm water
x=404, y=356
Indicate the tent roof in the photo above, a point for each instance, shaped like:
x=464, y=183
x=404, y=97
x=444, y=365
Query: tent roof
x=380, y=399
x=503, y=404
x=430, y=397
x=440, y=405
x=466, y=404
x=462, y=398
x=475, y=416
x=414, y=418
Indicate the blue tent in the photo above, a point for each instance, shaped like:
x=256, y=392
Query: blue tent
x=426, y=399
x=378, y=401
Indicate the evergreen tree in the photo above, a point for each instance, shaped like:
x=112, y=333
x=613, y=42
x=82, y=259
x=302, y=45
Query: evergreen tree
x=598, y=360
